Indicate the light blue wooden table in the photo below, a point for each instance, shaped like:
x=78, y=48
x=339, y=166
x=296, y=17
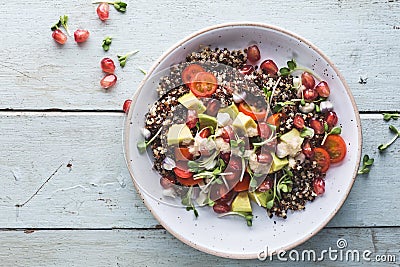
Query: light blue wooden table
x=53, y=112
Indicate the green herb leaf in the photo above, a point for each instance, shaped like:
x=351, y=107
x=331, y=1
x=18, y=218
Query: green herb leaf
x=120, y=6
x=302, y=102
x=123, y=58
x=388, y=116
x=366, y=163
x=64, y=23
x=326, y=127
x=393, y=129
x=284, y=71
x=317, y=108
x=336, y=130
x=397, y=134
x=292, y=64
x=307, y=132
x=106, y=43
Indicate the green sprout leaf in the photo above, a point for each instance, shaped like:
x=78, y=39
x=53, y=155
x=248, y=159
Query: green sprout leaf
x=336, y=130
x=367, y=162
x=291, y=65
x=389, y=116
x=106, y=43
x=118, y=5
x=63, y=21
x=382, y=147
x=123, y=58
x=284, y=71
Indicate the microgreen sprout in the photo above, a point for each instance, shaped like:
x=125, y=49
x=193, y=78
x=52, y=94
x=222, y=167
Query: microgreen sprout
x=123, y=58
x=247, y=215
x=143, y=71
x=388, y=116
x=335, y=130
x=397, y=134
x=280, y=105
x=63, y=21
x=187, y=201
x=284, y=185
x=106, y=43
x=307, y=132
x=144, y=144
x=292, y=67
x=367, y=163
x=119, y=5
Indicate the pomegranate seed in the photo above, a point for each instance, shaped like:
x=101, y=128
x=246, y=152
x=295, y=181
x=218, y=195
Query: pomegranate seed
x=221, y=207
x=103, y=11
x=108, y=81
x=310, y=94
x=59, y=36
x=269, y=67
x=317, y=126
x=307, y=150
x=127, y=105
x=264, y=158
x=225, y=157
x=323, y=89
x=264, y=131
x=213, y=107
x=227, y=134
x=191, y=118
x=307, y=79
x=81, y=35
x=266, y=185
x=166, y=182
x=331, y=118
x=107, y=65
x=298, y=122
x=319, y=186
x=247, y=69
x=206, y=132
x=253, y=53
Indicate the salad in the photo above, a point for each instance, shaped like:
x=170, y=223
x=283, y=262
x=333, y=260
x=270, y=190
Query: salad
x=230, y=133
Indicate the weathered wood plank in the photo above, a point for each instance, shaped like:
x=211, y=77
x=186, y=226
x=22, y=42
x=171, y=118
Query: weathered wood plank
x=360, y=37
x=156, y=247
x=96, y=192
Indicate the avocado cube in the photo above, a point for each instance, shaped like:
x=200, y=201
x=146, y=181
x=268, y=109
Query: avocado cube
x=190, y=101
x=178, y=133
x=241, y=203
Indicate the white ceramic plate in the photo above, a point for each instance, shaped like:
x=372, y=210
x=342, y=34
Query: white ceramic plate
x=230, y=236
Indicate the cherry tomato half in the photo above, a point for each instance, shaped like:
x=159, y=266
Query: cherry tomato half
x=190, y=72
x=188, y=181
x=257, y=115
x=204, y=84
x=275, y=119
x=182, y=171
x=336, y=147
x=243, y=185
x=322, y=158
x=182, y=153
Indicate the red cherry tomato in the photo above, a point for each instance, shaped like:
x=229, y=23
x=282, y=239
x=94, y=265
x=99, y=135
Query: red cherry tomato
x=243, y=185
x=188, y=181
x=336, y=147
x=181, y=170
x=322, y=158
x=190, y=72
x=182, y=154
x=258, y=115
x=204, y=84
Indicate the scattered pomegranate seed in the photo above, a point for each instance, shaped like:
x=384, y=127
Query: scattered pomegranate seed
x=323, y=89
x=213, y=107
x=307, y=149
x=59, y=36
x=247, y=69
x=310, y=94
x=307, y=79
x=103, y=11
x=264, y=131
x=191, y=118
x=266, y=185
x=331, y=118
x=206, y=132
x=221, y=207
x=225, y=157
x=253, y=53
x=264, y=158
x=127, y=105
x=108, y=81
x=298, y=122
x=269, y=67
x=317, y=126
x=81, y=35
x=107, y=65
x=319, y=186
